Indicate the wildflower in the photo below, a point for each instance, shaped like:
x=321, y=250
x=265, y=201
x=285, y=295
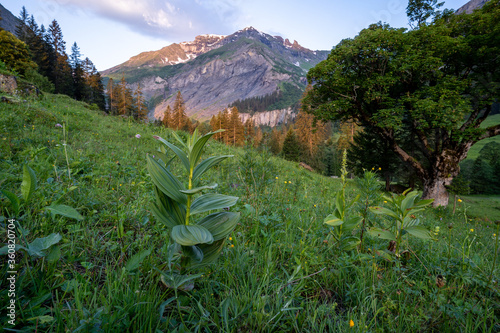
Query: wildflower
x=471, y=230
x=58, y=125
x=314, y=206
x=459, y=200
x=230, y=238
x=351, y=323
x=385, y=201
x=138, y=136
x=232, y=245
x=379, y=169
x=276, y=177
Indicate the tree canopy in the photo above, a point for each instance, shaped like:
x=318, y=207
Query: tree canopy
x=438, y=81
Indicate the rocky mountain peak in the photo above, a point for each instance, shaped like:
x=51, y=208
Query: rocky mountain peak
x=202, y=44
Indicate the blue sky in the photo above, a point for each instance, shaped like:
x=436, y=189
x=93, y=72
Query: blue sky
x=111, y=31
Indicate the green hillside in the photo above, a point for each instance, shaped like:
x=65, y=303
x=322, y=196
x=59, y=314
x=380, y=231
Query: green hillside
x=280, y=271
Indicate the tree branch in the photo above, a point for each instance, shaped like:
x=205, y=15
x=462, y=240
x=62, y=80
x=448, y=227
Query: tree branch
x=490, y=131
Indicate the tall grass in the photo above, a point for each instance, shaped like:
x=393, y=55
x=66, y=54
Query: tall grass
x=279, y=272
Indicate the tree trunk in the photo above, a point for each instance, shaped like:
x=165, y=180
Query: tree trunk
x=434, y=188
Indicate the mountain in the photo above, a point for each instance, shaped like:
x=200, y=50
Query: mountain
x=215, y=71
x=471, y=5
x=8, y=21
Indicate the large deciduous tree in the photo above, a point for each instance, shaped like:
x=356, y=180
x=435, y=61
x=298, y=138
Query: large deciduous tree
x=438, y=81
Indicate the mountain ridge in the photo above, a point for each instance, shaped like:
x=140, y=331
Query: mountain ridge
x=213, y=71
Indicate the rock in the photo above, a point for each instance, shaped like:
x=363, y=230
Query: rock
x=305, y=166
x=8, y=84
x=269, y=118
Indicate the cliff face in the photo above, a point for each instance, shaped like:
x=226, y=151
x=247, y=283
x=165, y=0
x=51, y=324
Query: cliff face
x=214, y=71
x=270, y=118
x=471, y=5
x=8, y=22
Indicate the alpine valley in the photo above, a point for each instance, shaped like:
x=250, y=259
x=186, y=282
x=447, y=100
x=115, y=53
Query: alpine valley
x=213, y=72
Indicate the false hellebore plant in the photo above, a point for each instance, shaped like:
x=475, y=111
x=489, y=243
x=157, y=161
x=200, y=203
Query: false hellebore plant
x=199, y=240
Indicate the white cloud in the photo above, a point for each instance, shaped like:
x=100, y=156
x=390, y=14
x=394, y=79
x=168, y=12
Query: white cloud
x=172, y=19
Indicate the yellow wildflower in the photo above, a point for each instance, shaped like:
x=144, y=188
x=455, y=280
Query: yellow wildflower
x=351, y=323
x=471, y=230
x=459, y=200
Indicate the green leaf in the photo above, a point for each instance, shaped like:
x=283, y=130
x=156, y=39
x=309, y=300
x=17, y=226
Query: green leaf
x=189, y=235
x=193, y=252
x=54, y=254
x=339, y=202
x=333, y=221
x=180, y=140
x=419, y=232
x=14, y=200
x=134, y=262
x=167, y=210
x=28, y=185
x=39, y=245
x=423, y=203
x=384, y=211
x=207, y=164
x=351, y=223
x=166, y=181
x=349, y=243
x=199, y=189
x=210, y=253
x=381, y=233
x=220, y=224
x=197, y=150
x=64, y=210
x=181, y=154
x=408, y=201
x=212, y=201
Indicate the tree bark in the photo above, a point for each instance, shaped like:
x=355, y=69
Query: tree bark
x=435, y=189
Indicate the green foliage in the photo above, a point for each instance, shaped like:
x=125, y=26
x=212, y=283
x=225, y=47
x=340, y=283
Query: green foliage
x=414, y=79
x=28, y=187
x=419, y=11
x=341, y=220
x=42, y=82
x=291, y=146
x=15, y=54
x=278, y=271
x=402, y=219
x=201, y=241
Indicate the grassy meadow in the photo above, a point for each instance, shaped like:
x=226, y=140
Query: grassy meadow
x=280, y=270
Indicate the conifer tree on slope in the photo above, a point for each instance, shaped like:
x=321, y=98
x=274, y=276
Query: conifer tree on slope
x=179, y=117
x=167, y=117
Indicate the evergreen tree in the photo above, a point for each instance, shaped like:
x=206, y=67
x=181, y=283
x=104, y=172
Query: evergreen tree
x=167, y=117
x=63, y=79
x=140, y=104
x=310, y=134
x=291, y=146
x=79, y=84
x=235, y=129
x=112, y=100
x=258, y=137
x=274, y=143
x=125, y=102
x=249, y=129
x=22, y=27
x=179, y=117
